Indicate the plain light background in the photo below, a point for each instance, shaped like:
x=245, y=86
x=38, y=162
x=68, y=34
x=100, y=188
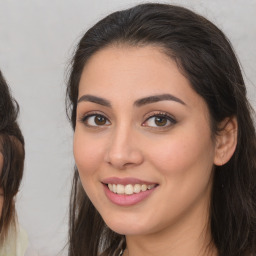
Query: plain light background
x=37, y=39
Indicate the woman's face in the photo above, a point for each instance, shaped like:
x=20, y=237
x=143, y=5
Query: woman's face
x=142, y=143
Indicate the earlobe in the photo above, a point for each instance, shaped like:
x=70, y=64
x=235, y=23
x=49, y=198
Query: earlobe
x=226, y=141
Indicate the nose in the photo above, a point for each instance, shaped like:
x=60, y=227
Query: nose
x=124, y=149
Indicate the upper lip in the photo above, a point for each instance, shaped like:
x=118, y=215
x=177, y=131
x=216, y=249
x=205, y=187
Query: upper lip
x=126, y=181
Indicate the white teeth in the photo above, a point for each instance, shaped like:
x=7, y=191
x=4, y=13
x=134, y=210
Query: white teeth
x=110, y=186
x=120, y=189
x=136, y=188
x=150, y=186
x=129, y=189
x=144, y=187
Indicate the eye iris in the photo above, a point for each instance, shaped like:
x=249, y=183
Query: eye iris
x=100, y=120
x=160, y=121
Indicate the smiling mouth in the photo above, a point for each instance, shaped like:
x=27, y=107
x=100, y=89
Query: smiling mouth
x=129, y=189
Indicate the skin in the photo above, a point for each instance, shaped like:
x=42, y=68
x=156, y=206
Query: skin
x=179, y=157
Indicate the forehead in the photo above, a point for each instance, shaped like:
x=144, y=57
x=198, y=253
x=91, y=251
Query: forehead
x=128, y=58
x=134, y=72
x=112, y=64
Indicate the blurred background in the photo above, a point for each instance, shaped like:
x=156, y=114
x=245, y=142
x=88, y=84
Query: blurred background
x=37, y=40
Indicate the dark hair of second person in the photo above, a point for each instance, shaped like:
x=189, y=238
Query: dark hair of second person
x=13, y=153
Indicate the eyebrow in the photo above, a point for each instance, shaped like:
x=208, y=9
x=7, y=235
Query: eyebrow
x=157, y=98
x=94, y=99
x=137, y=103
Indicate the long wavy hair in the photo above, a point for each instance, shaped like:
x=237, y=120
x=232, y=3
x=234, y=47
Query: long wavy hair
x=205, y=57
x=12, y=149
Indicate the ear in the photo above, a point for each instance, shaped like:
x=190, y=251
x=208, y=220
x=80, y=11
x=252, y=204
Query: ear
x=226, y=141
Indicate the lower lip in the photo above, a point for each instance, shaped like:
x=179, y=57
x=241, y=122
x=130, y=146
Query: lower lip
x=127, y=200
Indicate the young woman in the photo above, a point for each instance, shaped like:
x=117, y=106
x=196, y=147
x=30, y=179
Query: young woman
x=164, y=141
x=13, y=241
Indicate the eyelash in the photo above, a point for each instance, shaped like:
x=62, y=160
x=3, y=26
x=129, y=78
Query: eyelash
x=166, y=116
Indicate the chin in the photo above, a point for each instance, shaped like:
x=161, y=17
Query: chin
x=127, y=230
x=127, y=227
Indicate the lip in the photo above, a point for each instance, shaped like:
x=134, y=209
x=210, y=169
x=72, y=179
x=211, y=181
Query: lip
x=126, y=181
x=126, y=200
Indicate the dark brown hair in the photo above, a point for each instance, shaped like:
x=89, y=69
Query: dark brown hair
x=12, y=149
x=205, y=56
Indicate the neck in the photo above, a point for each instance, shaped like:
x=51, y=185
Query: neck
x=172, y=247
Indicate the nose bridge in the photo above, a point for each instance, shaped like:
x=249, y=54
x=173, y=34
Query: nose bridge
x=123, y=148
x=120, y=135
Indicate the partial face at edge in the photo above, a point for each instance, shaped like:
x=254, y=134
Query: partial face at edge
x=129, y=133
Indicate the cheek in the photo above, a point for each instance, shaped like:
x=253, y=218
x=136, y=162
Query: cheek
x=87, y=153
x=87, y=157
x=183, y=154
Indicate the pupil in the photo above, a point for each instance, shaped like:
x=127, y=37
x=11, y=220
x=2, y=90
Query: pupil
x=100, y=120
x=160, y=121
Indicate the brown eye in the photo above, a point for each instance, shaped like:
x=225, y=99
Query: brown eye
x=100, y=120
x=96, y=120
x=160, y=121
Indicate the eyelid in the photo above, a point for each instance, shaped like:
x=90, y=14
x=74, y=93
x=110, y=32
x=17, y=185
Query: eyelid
x=91, y=113
x=159, y=113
